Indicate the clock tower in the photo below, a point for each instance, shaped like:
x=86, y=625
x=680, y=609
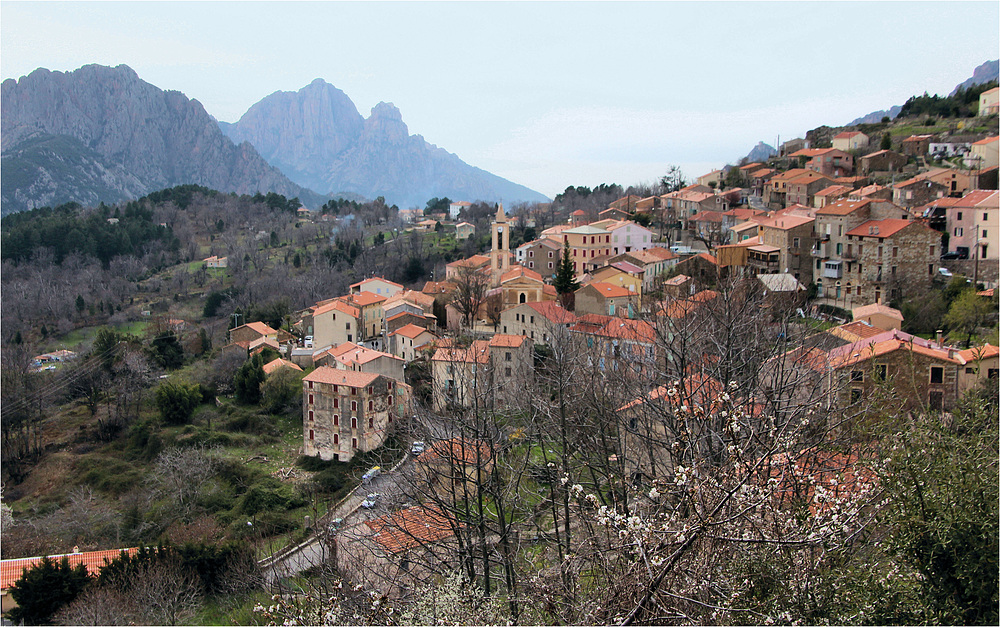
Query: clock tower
x=500, y=252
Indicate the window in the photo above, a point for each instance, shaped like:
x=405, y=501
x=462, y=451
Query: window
x=354, y=443
x=531, y=253
x=984, y=217
x=336, y=403
x=310, y=385
x=371, y=423
x=855, y=395
x=959, y=216
x=354, y=391
x=930, y=269
x=880, y=372
x=857, y=375
x=354, y=423
x=336, y=420
x=312, y=436
x=958, y=231
x=506, y=371
x=310, y=399
x=336, y=439
x=310, y=415
x=937, y=374
x=895, y=252
x=370, y=406
x=354, y=406
x=795, y=242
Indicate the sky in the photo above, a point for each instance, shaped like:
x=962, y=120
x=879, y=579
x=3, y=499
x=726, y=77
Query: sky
x=546, y=94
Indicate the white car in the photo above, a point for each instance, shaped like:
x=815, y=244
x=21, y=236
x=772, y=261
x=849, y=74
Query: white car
x=370, y=500
x=417, y=448
x=308, y=342
x=945, y=272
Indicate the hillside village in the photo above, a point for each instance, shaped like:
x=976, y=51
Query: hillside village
x=667, y=380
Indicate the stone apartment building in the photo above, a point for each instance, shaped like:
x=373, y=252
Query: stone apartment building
x=835, y=264
x=802, y=189
x=890, y=259
x=345, y=413
x=536, y=321
x=541, y=255
x=793, y=237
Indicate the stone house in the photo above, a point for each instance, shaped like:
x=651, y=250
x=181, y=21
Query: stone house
x=916, y=145
x=793, y=237
x=216, y=262
x=346, y=412
x=536, y=321
x=830, y=194
x=464, y=230
x=918, y=191
x=828, y=161
x=350, y=356
x=831, y=255
x=882, y=161
x=252, y=331
x=890, y=259
x=801, y=190
x=541, y=255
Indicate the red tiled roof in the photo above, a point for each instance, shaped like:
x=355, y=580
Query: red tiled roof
x=11, y=569
x=411, y=331
x=363, y=299
x=553, y=312
x=520, y=271
x=477, y=352
x=279, y=363
x=882, y=228
x=799, y=475
x=843, y=207
x=326, y=374
x=876, y=308
x=609, y=290
x=457, y=450
x=409, y=528
x=977, y=353
x=377, y=278
x=507, y=341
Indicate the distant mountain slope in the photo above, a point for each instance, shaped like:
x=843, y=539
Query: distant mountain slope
x=989, y=71
x=121, y=137
x=983, y=74
x=761, y=152
x=318, y=138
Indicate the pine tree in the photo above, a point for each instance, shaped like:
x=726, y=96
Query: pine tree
x=565, y=281
x=45, y=589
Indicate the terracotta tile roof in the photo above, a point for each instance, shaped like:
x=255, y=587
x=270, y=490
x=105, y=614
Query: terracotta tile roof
x=609, y=290
x=475, y=261
x=854, y=331
x=478, y=352
x=439, y=287
x=847, y=134
x=843, y=207
x=363, y=299
x=748, y=167
x=279, y=363
x=413, y=527
x=553, y=312
x=626, y=329
x=677, y=280
x=362, y=355
x=988, y=140
x=979, y=198
x=880, y=228
x=501, y=340
x=12, y=569
x=458, y=451
x=520, y=271
x=651, y=255
x=326, y=374
x=801, y=474
x=977, y=353
x=784, y=222
x=707, y=216
x=762, y=172
x=834, y=190
x=377, y=278
x=876, y=308
x=411, y=331
x=337, y=305
x=681, y=307
x=707, y=257
x=877, y=349
x=259, y=327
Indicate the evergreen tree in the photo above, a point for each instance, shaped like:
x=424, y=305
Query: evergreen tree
x=45, y=589
x=565, y=281
x=248, y=380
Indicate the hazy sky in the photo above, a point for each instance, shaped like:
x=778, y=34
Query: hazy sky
x=544, y=94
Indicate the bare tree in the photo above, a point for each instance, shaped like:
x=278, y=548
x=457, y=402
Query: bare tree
x=468, y=298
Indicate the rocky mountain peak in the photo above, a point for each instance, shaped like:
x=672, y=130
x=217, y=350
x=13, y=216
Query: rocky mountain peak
x=386, y=123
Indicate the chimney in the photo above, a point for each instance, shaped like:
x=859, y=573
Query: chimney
x=940, y=336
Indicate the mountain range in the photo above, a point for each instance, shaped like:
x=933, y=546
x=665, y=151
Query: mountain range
x=317, y=137
x=102, y=134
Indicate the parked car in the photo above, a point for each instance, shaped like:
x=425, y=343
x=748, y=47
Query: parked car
x=953, y=254
x=945, y=272
x=308, y=342
x=371, y=474
x=417, y=448
x=370, y=501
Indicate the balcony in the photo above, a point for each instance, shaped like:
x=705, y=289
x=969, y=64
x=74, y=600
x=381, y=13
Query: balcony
x=819, y=250
x=849, y=255
x=833, y=270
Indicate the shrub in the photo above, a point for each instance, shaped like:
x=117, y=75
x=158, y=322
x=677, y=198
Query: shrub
x=177, y=401
x=45, y=589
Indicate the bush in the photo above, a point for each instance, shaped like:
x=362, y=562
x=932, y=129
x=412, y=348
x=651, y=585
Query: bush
x=177, y=401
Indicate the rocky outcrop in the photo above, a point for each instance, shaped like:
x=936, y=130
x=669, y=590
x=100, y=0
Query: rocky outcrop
x=761, y=152
x=318, y=138
x=132, y=136
x=985, y=73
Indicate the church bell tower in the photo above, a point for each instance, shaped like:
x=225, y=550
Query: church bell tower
x=500, y=252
